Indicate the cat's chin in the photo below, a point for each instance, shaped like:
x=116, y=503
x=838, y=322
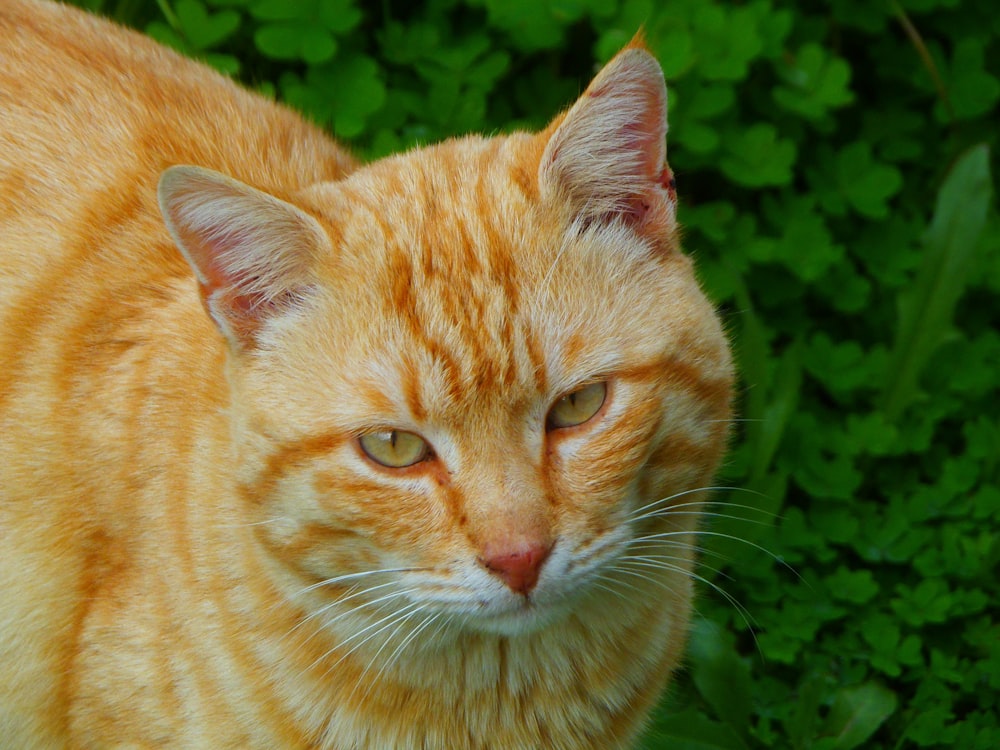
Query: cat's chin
x=524, y=619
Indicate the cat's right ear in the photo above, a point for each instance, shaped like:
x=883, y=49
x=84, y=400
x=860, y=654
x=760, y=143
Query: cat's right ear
x=252, y=253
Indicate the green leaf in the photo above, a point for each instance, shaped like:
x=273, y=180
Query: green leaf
x=866, y=183
x=338, y=16
x=757, y=156
x=226, y=64
x=202, y=29
x=806, y=245
x=305, y=30
x=840, y=525
x=839, y=365
x=815, y=82
x=856, y=713
x=725, y=39
x=316, y=45
x=671, y=41
x=871, y=433
x=928, y=602
x=857, y=586
x=814, y=462
x=720, y=675
x=690, y=730
x=529, y=24
x=296, y=41
x=971, y=89
x=950, y=245
x=692, y=105
x=933, y=727
x=279, y=10
x=353, y=90
x=801, y=725
x=883, y=635
x=405, y=44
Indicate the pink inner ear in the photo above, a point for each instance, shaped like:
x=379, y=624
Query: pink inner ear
x=218, y=261
x=250, y=251
x=648, y=136
x=221, y=289
x=657, y=177
x=235, y=310
x=668, y=182
x=207, y=257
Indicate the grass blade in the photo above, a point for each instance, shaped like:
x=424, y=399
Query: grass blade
x=950, y=245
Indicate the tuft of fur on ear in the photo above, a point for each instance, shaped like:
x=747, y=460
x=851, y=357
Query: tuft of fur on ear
x=252, y=253
x=608, y=152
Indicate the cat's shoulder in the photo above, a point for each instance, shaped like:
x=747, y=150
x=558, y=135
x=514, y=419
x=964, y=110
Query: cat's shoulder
x=104, y=96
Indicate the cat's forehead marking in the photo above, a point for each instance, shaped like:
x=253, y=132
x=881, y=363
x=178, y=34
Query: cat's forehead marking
x=449, y=235
x=478, y=289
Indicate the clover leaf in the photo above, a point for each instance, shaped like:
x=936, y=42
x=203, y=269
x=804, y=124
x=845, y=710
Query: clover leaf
x=815, y=82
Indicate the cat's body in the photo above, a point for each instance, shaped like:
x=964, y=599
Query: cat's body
x=191, y=529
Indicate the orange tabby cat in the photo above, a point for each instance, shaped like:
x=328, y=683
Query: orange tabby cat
x=396, y=456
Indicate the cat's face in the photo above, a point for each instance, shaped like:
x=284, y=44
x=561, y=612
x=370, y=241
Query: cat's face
x=463, y=331
x=489, y=369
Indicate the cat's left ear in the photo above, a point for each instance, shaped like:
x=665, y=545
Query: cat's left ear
x=607, y=154
x=252, y=253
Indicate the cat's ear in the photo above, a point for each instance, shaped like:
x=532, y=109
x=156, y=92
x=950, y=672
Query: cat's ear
x=607, y=154
x=252, y=253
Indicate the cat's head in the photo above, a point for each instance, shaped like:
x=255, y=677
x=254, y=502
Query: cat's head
x=480, y=367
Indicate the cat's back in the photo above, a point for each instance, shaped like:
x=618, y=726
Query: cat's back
x=90, y=115
x=96, y=99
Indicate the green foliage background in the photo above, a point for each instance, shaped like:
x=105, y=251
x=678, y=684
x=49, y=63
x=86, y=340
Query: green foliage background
x=834, y=162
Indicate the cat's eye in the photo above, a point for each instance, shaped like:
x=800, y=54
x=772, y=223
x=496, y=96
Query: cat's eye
x=577, y=407
x=396, y=449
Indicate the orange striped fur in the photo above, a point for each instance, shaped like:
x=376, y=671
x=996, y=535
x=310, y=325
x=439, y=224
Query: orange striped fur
x=198, y=551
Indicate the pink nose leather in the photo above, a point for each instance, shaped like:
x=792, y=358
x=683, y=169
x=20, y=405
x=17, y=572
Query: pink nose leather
x=518, y=568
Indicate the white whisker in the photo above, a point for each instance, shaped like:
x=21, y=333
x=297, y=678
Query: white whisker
x=704, y=532
x=611, y=590
x=671, y=511
x=397, y=626
x=654, y=558
x=251, y=523
x=341, y=600
x=667, y=499
x=379, y=628
x=642, y=562
x=352, y=576
x=396, y=651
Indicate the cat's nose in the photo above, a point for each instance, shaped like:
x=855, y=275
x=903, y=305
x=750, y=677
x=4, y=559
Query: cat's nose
x=518, y=567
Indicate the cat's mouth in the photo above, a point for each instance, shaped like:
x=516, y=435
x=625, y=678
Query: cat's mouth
x=473, y=598
x=514, y=614
x=518, y=617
